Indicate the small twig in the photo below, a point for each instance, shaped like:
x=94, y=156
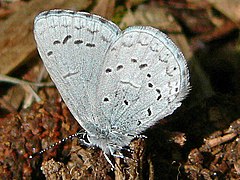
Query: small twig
x=219, y=140
x=29, y=89
x=29, y=99
x=8, y=79
x=25, y=84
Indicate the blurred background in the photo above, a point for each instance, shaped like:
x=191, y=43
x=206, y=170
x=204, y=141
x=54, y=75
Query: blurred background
x=200, y=140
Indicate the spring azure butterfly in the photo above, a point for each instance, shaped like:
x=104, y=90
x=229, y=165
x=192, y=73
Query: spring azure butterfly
x=115, y=83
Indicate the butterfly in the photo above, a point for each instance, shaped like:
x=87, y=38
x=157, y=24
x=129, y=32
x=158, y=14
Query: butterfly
x=115, y=83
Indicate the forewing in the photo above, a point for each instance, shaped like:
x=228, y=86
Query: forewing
x=144, y=79
x=72, y=46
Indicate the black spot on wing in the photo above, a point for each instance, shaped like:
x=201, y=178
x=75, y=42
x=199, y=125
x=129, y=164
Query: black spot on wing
x=49, y=53
x=142, y=66
x=79, y=41
x=149, y=112
x=150, y=85
x=159, y=94
x=119, y=67
x=105, y=99
x=56, y=42
x=90, y=45
x=133, y=60
x=108, y=70
x=65, y=40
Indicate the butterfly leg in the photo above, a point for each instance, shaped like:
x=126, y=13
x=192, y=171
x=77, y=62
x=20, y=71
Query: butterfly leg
x=119, y=148
x=109, y=161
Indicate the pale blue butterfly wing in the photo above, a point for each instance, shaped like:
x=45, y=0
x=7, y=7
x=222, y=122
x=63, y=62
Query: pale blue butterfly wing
x=144, y=79
x=72, y=46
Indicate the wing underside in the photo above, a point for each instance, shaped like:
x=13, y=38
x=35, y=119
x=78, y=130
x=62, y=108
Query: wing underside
x=145, y=84
x=72, y=46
